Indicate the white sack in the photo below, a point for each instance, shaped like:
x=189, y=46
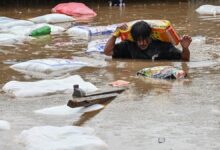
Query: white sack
x=6, y=19
x=85, y=32
x=24, y=30
x=4, y=125
x=47, y=87
x=9, y=24
x=52, y=18
x=10, y=39
x=98, y=45
x=208, y=10
x=61, y=138
x=53, y=66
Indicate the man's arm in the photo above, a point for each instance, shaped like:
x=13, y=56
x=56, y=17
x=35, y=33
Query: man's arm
x=110, y=46
x=185, y=42
x=111, y=42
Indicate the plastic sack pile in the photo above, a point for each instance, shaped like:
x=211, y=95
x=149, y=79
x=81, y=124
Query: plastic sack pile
x=162, y=72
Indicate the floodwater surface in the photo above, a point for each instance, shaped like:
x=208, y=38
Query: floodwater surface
x=183, y=114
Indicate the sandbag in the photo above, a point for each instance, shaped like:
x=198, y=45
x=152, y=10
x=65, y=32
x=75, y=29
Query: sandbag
x=61, y=138
x=47, y=87
x=24, y=30
x=50, y=67
x=85, y=32
x=208, y=10
x=8, y=39
x=6, y=19
x=161, y=30
x=74, y=9
x=98, y=45
x=162, y=72
x=12, y=23
x=52, y=18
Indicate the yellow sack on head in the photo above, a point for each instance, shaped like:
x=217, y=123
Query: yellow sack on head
x=161, y=30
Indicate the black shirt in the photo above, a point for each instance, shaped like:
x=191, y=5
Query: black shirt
x=157, y=50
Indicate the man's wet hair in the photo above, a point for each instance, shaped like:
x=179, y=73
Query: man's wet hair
x=140, y=31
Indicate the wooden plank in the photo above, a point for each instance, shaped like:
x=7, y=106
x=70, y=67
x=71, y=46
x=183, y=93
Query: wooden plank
x=90, y=100
x=106, y=90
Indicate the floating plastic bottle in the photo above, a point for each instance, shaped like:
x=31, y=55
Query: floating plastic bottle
x=45, y=30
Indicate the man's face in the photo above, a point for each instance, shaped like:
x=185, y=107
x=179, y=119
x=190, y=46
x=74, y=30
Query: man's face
x=143, y=43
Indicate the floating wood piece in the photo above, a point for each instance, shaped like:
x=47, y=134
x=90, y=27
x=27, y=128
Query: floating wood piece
x=90, y=100
x=81, y=98
x=105, y=91
x=77, y=92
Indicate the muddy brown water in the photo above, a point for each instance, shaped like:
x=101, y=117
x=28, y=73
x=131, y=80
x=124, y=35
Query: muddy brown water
x=185, y=113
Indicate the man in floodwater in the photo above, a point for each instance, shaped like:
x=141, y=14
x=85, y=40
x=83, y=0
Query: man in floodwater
x=116, y=3
x=144, y=47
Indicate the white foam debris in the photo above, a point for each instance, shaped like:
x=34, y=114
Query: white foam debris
x=198, y=40
x=47, y=87
x=57, y=138
x=65, y=110
x=91, y=108
x=4, y=125
x=58, y=110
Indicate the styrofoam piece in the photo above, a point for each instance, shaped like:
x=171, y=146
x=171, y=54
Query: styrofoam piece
x=60, y=138
x=47, y=87
x=52, y=18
